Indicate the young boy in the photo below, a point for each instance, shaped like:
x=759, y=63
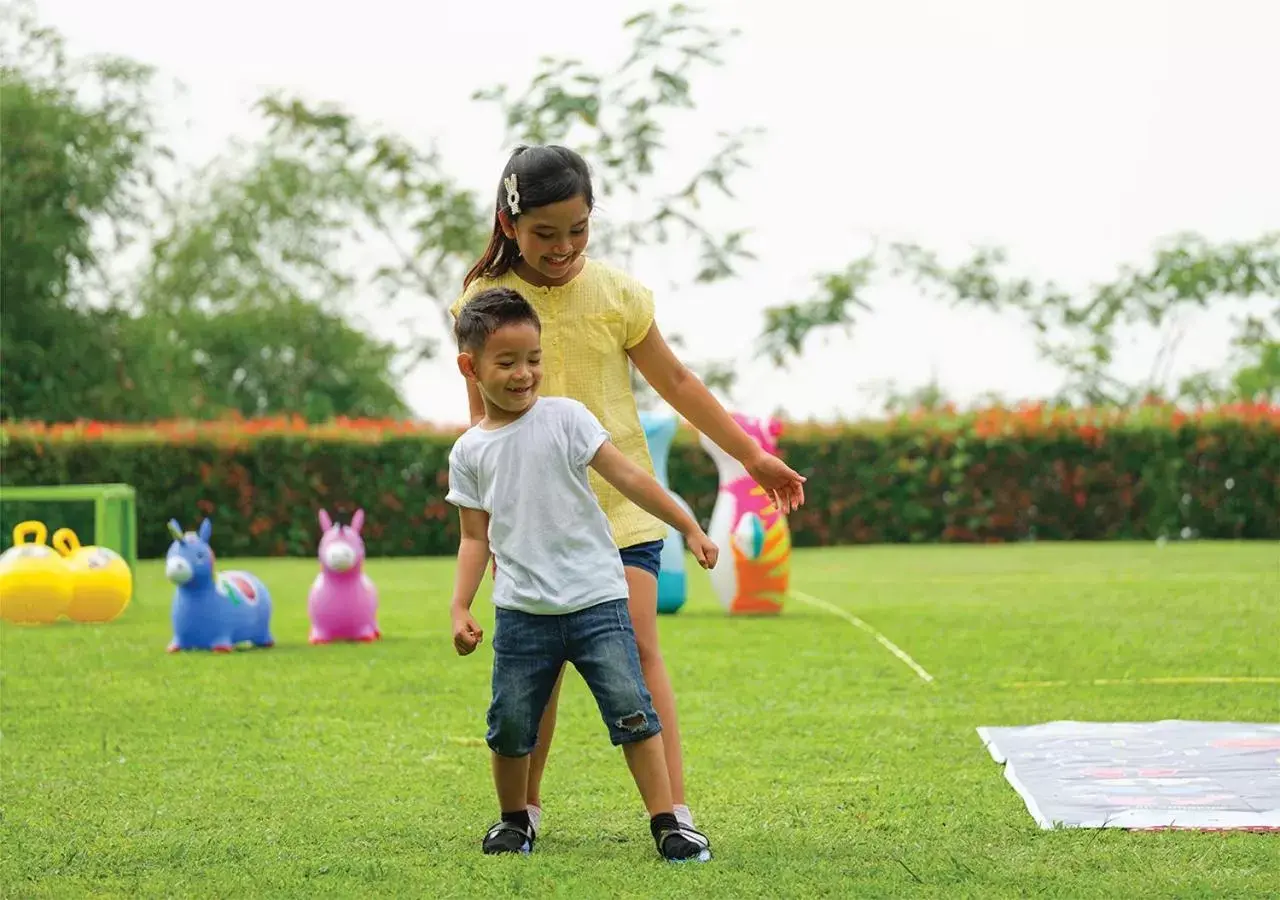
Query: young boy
x=519, y=479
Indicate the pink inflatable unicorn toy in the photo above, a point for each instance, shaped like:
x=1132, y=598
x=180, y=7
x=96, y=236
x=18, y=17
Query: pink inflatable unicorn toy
x=343, y=603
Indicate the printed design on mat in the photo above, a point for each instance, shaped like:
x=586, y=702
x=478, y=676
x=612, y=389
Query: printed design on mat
x=1168, y=774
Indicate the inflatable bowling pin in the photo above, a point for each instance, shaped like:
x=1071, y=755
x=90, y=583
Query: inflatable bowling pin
x=754, y=572
x=659, y=431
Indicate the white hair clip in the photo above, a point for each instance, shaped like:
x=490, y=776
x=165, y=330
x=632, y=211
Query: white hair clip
x=513, y=195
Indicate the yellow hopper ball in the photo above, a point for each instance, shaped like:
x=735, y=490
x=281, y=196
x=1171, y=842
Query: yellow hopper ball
x=35, y=583
x=101, y=580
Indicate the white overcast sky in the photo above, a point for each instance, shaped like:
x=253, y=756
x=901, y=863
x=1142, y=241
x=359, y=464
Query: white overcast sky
x=1076, y=134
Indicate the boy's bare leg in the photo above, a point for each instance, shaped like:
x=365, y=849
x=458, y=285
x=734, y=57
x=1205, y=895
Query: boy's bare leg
x=510, y=777
x=515, y=833
x=648, y=765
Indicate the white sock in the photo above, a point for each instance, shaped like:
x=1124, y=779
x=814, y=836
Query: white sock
x=684, y=816
x=535, y=818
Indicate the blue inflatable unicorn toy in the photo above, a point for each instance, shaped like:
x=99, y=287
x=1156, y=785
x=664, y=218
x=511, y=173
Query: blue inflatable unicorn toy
x=659, y=431
x=213, y=610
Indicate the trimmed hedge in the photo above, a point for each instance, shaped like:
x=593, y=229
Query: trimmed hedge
x=998, y=475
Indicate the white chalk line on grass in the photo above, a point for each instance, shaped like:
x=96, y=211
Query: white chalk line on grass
x=858, y=623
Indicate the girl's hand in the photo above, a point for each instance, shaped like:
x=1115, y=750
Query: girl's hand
x=702, y=548
x=784, y=485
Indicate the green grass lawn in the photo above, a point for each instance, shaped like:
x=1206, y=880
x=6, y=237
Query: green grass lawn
x=818, y=762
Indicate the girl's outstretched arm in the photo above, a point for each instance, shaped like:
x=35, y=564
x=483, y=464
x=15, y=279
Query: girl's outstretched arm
x=689, y=396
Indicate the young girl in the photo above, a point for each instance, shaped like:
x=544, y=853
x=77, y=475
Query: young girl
x=596, y=322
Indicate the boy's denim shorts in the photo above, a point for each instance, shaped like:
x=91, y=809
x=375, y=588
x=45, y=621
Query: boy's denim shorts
x=528, y=654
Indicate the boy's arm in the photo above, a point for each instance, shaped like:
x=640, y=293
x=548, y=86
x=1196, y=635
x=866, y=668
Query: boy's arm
x=643, y=489
x=473, y=556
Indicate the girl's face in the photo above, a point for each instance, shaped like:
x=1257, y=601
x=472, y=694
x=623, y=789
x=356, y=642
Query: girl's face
x=551, y=240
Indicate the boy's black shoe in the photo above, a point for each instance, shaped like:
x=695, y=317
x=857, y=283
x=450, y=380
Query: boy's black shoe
x=513, y=834
x=677, y=843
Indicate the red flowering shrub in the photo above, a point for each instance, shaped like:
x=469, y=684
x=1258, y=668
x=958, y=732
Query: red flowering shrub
x=991, y=475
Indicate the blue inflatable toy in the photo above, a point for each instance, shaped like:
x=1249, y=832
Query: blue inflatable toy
x=213, y=610
x=659, y=431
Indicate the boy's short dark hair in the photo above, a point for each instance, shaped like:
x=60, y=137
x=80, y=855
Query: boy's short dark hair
x=488, y=311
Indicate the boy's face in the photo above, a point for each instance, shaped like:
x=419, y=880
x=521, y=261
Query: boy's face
x=552, y=238
x=508, y=370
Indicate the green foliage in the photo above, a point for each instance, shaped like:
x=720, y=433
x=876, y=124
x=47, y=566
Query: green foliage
x=1077, y=332
x=304, y=360
x=383, y=192
x=235, y=308
x=263, y=493
x=76, y=515
x=323, y=177
x=77, y=161
x=1080, y=333
x=243, y=282
x=1259, y=378
x=78, y=145
x=242, y=300
x=835, y=304
x=974, y=481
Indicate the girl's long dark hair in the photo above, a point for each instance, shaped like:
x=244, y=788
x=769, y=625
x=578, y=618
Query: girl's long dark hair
x=544, y=175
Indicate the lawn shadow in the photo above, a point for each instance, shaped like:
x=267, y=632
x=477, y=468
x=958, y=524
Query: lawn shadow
x=291, y=646
x=392, y=639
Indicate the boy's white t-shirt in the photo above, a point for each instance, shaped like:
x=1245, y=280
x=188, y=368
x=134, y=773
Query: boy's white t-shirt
x=554, y=550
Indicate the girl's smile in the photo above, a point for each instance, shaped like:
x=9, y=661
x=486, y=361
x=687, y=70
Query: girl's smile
x=551, y=239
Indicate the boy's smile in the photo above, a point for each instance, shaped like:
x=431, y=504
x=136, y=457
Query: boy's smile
x=509, y=370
